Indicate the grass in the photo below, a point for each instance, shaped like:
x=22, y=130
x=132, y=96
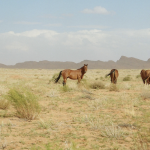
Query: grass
x=127, y=78
x=65, y=88
x=138, y=76
x=98, y=104
x=113, y=87
x=145, y=94
x=44, y=125
x=25, y=103
x=112, y=131
x=97, y=85
x=4, y=104
x=52, y=80
x=90, y=118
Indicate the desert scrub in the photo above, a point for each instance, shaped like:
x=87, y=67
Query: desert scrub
x=113, y=87
x=97, y=85
x=60, y=81
x=24, y=102
x=66, y=88
x=138, y=76
x=127, y=78
x=83, y=83
x=4, y=104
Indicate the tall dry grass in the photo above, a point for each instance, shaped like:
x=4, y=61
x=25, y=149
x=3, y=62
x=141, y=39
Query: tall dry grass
x=25, y=103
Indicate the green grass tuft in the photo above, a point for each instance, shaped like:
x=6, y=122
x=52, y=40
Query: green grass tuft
x=66, y=88
x=24, y=102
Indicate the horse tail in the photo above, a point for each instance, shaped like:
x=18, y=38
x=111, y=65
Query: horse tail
x=56, y=80
x=110, y=73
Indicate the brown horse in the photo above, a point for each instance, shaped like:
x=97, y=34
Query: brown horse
x=144, y=75
x=114, y=75
x=148, y=80
x=72, y=74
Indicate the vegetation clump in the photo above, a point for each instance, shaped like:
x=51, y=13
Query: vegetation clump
x=60, y=81
x=97, y=85
x=138, y=76
x=24, y=102
x=113, y=87
x=4, y=104
x=66, y=88
x=127, y=78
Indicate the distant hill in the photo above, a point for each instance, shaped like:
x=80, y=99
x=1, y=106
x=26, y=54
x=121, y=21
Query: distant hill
x=122, y=63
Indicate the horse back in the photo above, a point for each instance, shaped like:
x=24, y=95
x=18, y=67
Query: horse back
x=147, y=73
x=72, y=74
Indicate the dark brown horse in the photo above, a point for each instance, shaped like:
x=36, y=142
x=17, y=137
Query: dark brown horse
x=148, y=80
x=144, y=75
x=72, y=74
x=114, y=75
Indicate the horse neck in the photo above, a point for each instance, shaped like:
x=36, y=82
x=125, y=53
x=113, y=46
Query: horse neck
x=81, y=70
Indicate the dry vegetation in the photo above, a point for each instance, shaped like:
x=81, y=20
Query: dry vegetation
x=37, y=114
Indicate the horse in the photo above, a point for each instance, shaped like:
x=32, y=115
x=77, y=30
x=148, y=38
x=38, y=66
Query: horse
x=114, y=75
x=72, y=74
x=144, y=75
x=148, y=80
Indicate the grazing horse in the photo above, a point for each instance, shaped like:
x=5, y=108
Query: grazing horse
x=148, y=80
x=144, y=75
x=114, y=75
x=72, y=74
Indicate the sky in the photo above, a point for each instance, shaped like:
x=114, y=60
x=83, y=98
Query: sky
x=73, y=30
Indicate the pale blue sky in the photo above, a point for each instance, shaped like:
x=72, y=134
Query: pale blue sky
x=65, y=30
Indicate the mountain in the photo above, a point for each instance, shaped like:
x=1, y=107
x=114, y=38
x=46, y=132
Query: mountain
x=123, y=63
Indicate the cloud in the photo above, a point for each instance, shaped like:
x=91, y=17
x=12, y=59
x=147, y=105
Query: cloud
x=1, y=21
x=89, y=27
x=96, y=10
x=76, y=46
x=27, y=23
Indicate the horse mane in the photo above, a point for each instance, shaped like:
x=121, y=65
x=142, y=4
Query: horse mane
x=80, y=68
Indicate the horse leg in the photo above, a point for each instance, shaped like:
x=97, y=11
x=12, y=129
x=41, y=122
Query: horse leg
x=79, y=79
x=111, y=78
x=64, y=82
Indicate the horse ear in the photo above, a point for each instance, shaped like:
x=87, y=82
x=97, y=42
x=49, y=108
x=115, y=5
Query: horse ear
x=86, y=64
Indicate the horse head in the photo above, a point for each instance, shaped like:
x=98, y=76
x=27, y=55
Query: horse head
x=85, y=68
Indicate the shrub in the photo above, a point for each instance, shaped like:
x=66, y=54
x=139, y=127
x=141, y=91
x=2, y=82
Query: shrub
x=113, y=87
x=24, y=102
x=66, y=88
x=127, y=78
x=4, y=104
x=97, y=85
x=138, y=76
x=60, y=81
x=83, y=83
